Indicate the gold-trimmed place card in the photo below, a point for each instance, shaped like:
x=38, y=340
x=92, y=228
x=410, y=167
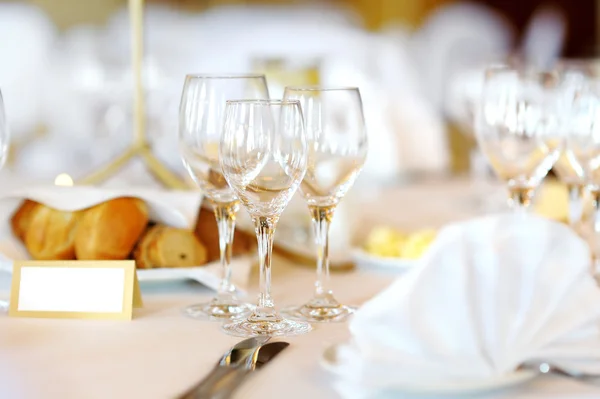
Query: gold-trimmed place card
x=75, y=289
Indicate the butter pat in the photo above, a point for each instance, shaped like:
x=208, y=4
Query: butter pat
x=391, y=243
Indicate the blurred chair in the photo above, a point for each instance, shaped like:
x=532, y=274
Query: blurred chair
x=544, y=37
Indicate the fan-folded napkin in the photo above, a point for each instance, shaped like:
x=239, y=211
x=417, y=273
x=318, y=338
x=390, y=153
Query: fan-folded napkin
x=489, y=295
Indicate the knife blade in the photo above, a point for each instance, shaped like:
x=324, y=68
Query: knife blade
x=259, y=359
x=235, y=358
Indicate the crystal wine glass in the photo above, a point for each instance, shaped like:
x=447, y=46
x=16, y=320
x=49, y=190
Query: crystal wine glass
x=337, y=141
x=4, y=146
x=518, y=128
x=582, y=146
x=574, y=75
x=263, y=156
x=201, y=118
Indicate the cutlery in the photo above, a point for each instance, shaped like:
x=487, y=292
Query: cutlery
x=235, y=358
x=256, y=361
x=547, y=368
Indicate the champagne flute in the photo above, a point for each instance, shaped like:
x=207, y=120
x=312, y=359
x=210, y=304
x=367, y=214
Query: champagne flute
x=518, y=128
x=200, y=127
x=263, y=156
x=337, y=140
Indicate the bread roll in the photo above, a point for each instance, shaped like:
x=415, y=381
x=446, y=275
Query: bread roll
x=208, y=233
x=21, y=218
x=140, y=254
x=110, y=230
x=163, y=246
x=50, y=234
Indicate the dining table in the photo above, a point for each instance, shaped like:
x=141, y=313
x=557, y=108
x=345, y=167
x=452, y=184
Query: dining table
x=161, y=353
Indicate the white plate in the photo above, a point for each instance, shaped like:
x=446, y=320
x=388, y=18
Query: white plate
x=329, y=362
x=366, y=261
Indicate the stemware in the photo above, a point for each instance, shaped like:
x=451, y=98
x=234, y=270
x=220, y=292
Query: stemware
x=263, y=156
x=337, y=141
x=200, y=127
x=4, y=145
x=518, y=128
x=574, y=75
x=4, y=133
x=582, y=147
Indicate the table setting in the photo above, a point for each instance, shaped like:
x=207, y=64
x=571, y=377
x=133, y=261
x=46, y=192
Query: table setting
x=440, y=299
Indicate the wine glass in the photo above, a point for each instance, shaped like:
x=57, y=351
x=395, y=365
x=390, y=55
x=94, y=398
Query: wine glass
x=263, y=156
x=518, y=128
x=4, y=146
x=201, y=116
x=574, y=75
x=582, y=146
x=337, y=141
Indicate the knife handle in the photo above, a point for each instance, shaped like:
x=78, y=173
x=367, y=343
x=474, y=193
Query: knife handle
x=204, y=389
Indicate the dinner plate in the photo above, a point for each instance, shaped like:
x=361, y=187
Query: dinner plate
x=329, y=362
x=366, y=261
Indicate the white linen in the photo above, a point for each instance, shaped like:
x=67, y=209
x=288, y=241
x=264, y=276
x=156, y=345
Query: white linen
x=173, y=208
x=490, y=294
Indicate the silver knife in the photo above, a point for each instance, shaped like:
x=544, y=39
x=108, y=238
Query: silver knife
x=236, y=357
x=259, y=358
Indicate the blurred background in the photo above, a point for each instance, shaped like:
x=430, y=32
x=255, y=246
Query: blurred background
x=67, y=82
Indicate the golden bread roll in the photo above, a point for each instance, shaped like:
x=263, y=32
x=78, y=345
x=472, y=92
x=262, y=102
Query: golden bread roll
x=163, y=246
x=140, y=254
x=110, y=230
x=20, y=220
x=208, y=233
x=50, y=234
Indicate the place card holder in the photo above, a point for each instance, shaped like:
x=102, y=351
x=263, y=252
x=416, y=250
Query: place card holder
x=106, y=290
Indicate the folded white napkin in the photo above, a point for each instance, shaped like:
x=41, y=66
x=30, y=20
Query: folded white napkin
x=173, y=208
x=490, y=294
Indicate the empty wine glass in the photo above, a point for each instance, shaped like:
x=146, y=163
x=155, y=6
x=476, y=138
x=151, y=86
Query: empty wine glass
x=4, y=133
x=582, y=147
x=574, y=75
x=4, y=146
x=263, y=156
x=337, y=141
x=518, y=128
x=201, y=118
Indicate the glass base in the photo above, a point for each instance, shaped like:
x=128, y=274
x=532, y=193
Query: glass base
x=320, y=314
x=274, y=328
x=219, y=310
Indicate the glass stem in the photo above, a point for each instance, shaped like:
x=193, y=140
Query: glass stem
x=576, y=192
x=321, y=219
x=520, y=198
x=225, y=215
x=595, y=230
x=265, y=230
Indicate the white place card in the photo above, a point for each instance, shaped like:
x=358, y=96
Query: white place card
x=75, y=289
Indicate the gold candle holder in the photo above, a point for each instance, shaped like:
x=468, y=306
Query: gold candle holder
x=140, y=147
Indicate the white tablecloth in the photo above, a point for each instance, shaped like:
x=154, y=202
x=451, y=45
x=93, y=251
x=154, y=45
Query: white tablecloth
x=161, y=353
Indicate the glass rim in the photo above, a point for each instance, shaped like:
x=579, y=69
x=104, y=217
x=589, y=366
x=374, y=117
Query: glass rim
x=320, y=88
x=264, y=101
x=225, y=76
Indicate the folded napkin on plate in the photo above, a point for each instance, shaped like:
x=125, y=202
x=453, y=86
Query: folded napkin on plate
x=173, y=208
x=490, y=294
